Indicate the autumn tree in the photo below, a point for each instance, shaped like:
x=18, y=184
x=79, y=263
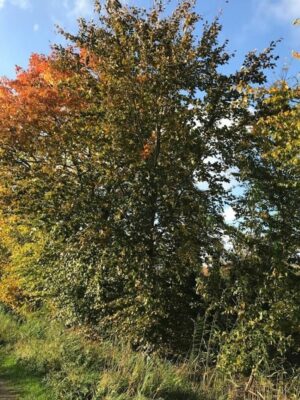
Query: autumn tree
x=105, y=146
x=259, y=302
x=33, y=108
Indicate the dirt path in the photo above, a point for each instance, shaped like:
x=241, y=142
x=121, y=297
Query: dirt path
x=6, y=393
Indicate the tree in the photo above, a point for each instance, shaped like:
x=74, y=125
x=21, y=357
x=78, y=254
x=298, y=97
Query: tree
x=133, y=116
x=259, y=287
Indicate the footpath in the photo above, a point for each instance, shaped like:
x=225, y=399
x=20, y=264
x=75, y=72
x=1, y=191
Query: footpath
x=6, y=393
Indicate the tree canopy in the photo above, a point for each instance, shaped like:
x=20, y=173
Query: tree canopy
x=104, y=145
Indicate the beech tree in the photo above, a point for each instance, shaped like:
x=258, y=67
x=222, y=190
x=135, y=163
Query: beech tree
x=104, y=146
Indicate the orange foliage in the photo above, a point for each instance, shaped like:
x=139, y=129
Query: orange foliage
x=37, y=102
x=142, y=78
x=36, y=98
x=149, y=146
x=87, y=58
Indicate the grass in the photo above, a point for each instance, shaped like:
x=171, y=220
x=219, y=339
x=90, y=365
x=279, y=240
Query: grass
x=42, y=360
x=28, y=385
x=77, y=369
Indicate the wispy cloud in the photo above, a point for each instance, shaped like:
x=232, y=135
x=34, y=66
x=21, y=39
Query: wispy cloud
x=78, y=8
x=281, y=10
x=274, y=12
x=83, y=7
x=24, y=4
x=273, y=16
x=36, y=27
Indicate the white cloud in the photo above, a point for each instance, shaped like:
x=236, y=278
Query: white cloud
x=79, y=8
x=229, y=214
x=282, y=11
x=24, y=4
x=36, y=27
x=72, y=9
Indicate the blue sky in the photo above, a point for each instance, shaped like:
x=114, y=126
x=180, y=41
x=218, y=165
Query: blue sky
x=28, y=26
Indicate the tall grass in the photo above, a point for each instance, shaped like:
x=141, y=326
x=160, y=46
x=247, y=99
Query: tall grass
x=77, y=368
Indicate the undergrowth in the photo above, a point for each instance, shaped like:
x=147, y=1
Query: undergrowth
x=75, y=368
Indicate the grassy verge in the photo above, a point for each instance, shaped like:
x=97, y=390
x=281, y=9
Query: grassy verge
x=38, y=350
x=28, y=385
